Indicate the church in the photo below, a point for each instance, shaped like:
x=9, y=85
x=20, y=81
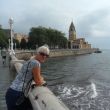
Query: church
x=74, y=42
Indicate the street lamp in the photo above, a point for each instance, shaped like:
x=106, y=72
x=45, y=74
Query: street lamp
x=11, y=33
x=15, y=45
x=9, y=43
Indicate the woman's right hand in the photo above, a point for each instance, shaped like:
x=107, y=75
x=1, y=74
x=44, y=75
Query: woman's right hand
x=44, y=83
x=39, y=80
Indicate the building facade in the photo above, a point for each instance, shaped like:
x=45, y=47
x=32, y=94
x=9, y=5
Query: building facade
x=74, y=42
x=19, y=37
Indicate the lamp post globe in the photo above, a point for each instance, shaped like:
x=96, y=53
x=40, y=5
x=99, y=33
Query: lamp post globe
x=10, y=20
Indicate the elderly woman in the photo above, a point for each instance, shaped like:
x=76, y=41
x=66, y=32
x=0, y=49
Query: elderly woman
x=31, y=70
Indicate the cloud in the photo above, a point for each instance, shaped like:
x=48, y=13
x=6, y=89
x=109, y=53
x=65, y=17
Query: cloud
x=91, y=18
x=47, y=18
x=94, y=24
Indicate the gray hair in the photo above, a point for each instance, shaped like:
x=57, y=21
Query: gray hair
x=43, y=49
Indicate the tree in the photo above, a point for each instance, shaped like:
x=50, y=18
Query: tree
x=23, y=43
x=3, y=39
x=41, y=35
x=37, y=36
x=17, y=43
x=69, y=44
x=62, y=42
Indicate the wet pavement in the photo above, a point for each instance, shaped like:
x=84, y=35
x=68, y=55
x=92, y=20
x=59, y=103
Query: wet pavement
x=5, y=80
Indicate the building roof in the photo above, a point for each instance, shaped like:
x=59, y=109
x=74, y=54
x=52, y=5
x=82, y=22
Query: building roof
x=72, y=27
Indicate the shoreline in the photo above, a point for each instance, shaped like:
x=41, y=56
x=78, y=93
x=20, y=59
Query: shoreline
x=26, y=54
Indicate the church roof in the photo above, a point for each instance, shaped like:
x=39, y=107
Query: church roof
x=72, y=27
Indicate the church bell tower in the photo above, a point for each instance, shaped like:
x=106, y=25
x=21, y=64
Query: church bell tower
x=72, y=32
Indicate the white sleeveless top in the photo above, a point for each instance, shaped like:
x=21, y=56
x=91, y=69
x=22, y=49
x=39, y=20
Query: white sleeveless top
x=25, y=75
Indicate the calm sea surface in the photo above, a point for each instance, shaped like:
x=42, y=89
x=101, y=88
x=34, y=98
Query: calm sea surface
x=81, y=82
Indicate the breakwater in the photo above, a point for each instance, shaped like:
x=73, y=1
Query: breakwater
x=55, y=53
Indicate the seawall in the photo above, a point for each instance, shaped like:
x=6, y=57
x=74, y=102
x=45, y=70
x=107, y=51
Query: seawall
x=55, y=53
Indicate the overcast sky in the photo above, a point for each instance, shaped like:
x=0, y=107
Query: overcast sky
x=90, y=17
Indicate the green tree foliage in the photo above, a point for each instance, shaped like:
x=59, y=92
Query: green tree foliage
x=3, y=39
x=17, y=43
x=41, y=35
x=69, y=44
x=23, y=43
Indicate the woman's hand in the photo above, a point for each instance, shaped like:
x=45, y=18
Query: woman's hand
x=39, y=80
x=42, y=78
x=43, y=81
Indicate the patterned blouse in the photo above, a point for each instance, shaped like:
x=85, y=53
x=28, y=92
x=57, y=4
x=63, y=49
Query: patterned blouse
x=25, y=75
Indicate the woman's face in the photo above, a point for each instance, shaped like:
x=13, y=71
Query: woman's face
x=43, y=57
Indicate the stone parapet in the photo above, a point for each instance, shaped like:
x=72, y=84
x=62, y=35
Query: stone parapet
x=25, y=55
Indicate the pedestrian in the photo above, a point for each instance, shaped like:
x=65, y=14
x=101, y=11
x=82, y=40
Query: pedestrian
x=31, y=70
x=3, y=54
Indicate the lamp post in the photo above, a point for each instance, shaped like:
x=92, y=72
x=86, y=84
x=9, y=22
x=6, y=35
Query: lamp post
x=15, y=46
x=9, y=43
x=11, y=33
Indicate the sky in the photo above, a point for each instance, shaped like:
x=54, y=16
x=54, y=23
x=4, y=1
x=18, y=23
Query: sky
x=91, y=18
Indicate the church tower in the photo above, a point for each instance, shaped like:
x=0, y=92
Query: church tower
x=72, y=32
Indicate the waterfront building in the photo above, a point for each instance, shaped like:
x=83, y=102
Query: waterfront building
x=17, y=36
x=74, y=42
x=20, y=36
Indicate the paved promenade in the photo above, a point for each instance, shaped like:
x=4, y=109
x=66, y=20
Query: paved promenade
x=5, y=80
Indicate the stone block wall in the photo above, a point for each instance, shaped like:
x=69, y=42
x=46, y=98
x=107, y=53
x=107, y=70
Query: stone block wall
x=25, y=55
